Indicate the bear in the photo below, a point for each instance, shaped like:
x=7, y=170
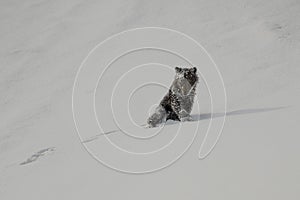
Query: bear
x=177, y=104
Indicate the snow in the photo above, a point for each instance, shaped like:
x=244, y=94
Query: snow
x=256, y=45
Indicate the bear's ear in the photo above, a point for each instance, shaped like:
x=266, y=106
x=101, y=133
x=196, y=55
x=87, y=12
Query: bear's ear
x=194, y=69
x=178, y=69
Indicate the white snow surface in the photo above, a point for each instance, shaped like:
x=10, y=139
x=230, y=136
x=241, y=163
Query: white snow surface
x=256, y=45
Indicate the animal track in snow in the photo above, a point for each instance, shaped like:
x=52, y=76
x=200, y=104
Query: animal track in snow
x=37, y=155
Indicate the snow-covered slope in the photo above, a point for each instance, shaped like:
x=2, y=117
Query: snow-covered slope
x=256, y=45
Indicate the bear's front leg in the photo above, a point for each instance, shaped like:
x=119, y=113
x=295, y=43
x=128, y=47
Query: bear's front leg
x=184, y=116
